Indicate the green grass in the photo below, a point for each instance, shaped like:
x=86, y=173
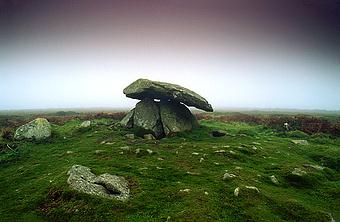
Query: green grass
x=33, y=180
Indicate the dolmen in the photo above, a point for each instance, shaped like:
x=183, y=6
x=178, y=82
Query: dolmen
x=162, y=109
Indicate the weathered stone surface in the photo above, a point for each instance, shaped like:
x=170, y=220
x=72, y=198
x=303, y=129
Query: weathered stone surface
x=228, y=176
x=237, y=191
x=106, y=185
x=176, y=117
x=313, y=166
x=298, y=172
x=127, y=121
x=146, y=116
x=274, y=180
x=149, y=137
x=85, y=124
x=37, y=129
x=144, y=88
x=300, y=142
x=130, y=136
x=253, y=188
x=247, y=189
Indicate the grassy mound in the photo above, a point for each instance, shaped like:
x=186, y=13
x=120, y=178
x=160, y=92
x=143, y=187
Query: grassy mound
x=182, y=180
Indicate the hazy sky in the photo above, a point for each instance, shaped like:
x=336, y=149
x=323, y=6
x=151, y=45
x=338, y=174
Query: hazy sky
x=249, y=54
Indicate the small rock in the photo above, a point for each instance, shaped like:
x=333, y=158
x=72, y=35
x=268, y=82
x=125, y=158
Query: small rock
x=256, y=143
x=206, y=193
x=315, y=167
x=220, y=151
x=193, y=173
x=185, y=190
x=103, y=142
x=232, y=152
x=236, y=191
x=253, y=188
x=130, y=136
x=85, y=124
x=228, y=176
x=226, y=146
x=201, y=160
x=149, y=151
x=300, y=142
x=218, y=133
x=274, y=180
x=99, y=151
x=160, y=158
x=238, y=168
x=121, y=153
x=69, y=152
x=125, y=148
x=216, y=163
x=149, y=137
x=299, y=172
x=194, y=153
x=109, y=143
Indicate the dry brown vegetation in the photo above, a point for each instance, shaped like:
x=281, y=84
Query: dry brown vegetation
x=305, y=123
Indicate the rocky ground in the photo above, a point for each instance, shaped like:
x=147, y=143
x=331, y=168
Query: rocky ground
x=252, y=173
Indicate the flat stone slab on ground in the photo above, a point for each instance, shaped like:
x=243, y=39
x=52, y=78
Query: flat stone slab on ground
x=106, y=185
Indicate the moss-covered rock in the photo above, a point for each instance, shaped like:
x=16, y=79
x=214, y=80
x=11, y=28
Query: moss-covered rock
x=37, y=129
x=106, y=185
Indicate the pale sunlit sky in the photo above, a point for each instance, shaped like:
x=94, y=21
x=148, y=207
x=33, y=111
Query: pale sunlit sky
x=231, y=62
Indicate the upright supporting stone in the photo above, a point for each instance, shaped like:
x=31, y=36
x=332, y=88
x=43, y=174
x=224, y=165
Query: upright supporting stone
x=147, y=117
x=127, y=121
x=176, y=117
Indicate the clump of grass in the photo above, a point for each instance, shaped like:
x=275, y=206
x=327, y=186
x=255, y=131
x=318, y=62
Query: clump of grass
x=293, y=210
x=297, y=134
x=7, y=133
x=332, y=162
x=306, y=181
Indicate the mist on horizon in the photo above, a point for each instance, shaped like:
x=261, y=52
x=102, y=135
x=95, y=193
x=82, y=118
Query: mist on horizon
x=62, y=54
